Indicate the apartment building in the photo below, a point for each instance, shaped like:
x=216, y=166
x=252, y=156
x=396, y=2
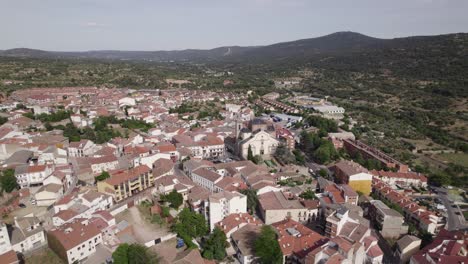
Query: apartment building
x=346, y=222
x=126, y=183
x=353, y=174
x=223, y=204
x=389, y=222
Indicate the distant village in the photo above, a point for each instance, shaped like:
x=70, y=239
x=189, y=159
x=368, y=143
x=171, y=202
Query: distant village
x=98, y=167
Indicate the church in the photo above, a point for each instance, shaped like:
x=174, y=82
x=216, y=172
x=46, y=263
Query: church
x=259, y=135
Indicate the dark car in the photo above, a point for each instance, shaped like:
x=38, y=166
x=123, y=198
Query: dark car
x=22, y=205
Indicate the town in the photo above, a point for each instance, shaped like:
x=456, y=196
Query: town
x=94, y=175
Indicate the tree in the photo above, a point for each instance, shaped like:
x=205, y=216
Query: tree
x=165, y=212
x=72, y=132
x=48, y=126
x=250, y=155
x=88, y=133
x=326, y=152
x=252, y=199
x=104, y=175
x=426, y=238
x=120, y=255
x=308, y=195
x=300, y=159
x=174, y=198
x=439, y=179
x=190, y=225
x=257, y=159
x=267, y=247
x=323, y=172
x=133, y=254
x=322, y=154
x=8, y=181
x=283, y=153
x=3, y=120
x=215, y=246
x=139, y=254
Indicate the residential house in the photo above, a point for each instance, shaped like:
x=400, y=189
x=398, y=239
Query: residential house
x=402, y=179
x=5, y=244
x=27, y=235
x=76, y=241
x=275, y=207
x=243, y=242
x=406, y=247
x=80, y=205
x=446, y=247
x=83, y=148
x=32, y=175
x=48, y=194
x=296, y=240
x=206, y=178
x=234, y=222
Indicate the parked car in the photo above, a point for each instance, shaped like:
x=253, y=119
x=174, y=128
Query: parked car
x=22, y=205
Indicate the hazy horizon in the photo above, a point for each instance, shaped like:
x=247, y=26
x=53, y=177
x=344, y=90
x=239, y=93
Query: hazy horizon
x=145, y=25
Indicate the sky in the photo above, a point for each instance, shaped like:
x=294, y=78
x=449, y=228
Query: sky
x=79, y=25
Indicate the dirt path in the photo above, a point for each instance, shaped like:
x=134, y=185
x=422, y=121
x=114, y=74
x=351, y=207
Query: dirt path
x=144, y=231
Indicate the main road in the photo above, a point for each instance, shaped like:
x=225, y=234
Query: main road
x=454, y=221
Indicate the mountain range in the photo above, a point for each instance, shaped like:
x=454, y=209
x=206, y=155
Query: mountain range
x=338, y=43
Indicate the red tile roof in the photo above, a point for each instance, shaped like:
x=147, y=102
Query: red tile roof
x=300, y=243
x=120, y=176
x=72, y=234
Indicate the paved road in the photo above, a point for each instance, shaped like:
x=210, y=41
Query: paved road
x=454, y=221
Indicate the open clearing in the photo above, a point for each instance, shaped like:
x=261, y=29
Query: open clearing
x=456, y=158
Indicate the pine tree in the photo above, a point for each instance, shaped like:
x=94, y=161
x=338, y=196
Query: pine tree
x=250, y=155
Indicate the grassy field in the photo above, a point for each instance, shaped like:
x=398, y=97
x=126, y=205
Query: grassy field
x=46, y=256
x=456, y=158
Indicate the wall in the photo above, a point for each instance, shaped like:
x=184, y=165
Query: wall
x=119, y=209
